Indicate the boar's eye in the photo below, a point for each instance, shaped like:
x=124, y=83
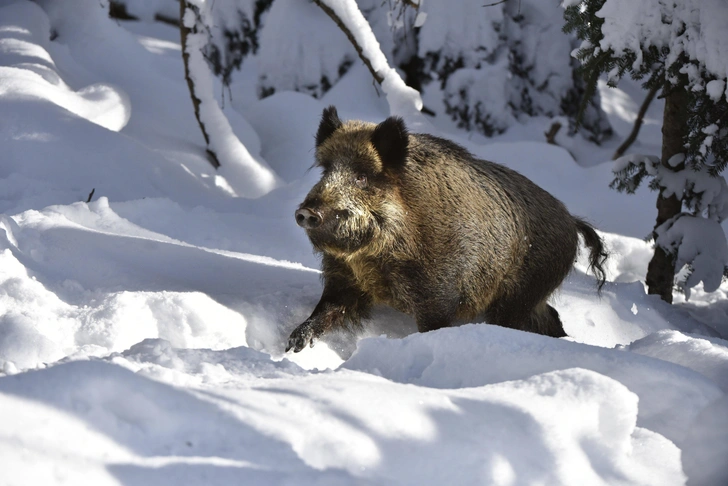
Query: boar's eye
x=361, y=181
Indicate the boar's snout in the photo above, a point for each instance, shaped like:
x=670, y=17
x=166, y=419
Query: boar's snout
x=308, y=219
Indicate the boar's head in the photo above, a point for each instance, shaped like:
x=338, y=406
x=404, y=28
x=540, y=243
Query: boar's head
x=356, y=202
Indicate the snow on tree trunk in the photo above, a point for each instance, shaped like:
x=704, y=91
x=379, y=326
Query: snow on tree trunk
x=306, y=47
x=403, y=100
x=350, y=35
x=243, y=174
x=184, y=34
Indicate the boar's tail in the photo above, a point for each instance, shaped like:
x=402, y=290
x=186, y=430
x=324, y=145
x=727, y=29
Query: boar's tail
x=597, y=253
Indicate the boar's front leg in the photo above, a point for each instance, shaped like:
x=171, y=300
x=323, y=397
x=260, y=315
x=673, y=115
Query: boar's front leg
x=342, y=302
x=337, y=307
x=433, y=295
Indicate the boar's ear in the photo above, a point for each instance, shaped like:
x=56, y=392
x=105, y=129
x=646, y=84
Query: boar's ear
x=330, y=122
x=391, y=140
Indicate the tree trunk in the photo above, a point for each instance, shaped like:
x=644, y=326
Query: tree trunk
x=184, y=32
x=661, y=270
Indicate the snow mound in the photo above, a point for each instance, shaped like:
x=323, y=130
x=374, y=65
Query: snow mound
x=670, y=396
x=80, y=280
x=568, y=427
x=28, y=73
x=142, y=333
x=52, y=329
x=159, y=359
x=706, y=447
x=708, y=356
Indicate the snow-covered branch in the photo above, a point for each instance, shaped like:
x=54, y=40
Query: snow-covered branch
x=696, y=241
x=378, y=77
x=697, y=30
x=246, y=175
x=403, y=100
x=696, y=187
x=700, y=250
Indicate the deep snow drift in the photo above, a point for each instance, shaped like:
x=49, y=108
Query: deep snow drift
x=142, y=333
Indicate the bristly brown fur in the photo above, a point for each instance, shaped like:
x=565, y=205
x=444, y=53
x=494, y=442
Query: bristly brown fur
x=417, y=223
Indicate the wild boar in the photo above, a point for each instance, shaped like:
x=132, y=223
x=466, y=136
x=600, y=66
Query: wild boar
x=418, y=223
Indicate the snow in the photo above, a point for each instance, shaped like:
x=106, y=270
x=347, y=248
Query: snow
x=29, y=73
x=491, y=66
x=700, y=353
x=403, y=100
x=450, y=30
x=490, y=82
x=699, y=243
x=244, y=175
x=142, y=333
x=697, y=29
x=299, y=46
x=715, y=89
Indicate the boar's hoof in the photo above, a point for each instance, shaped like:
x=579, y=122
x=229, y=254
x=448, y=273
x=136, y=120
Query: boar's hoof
x=305, y=334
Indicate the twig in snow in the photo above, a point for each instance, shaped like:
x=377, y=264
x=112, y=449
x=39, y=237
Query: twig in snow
x=551, y=134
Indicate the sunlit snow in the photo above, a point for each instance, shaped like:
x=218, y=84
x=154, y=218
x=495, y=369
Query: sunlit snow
x=142, y=333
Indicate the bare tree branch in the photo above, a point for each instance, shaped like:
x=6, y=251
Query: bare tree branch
x=637, y=123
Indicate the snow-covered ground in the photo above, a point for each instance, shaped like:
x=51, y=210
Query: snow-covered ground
x=142, y=333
